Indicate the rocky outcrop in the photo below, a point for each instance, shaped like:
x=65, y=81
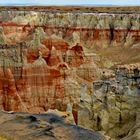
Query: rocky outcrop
x=41, y=127
x=114, y=106
x=43, y=73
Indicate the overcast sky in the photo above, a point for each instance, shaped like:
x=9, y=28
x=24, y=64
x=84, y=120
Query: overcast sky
x=72, y=2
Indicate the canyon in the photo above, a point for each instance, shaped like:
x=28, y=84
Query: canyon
x=83, y=63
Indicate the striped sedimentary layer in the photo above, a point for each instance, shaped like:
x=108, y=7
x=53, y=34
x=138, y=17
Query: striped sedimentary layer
x=47, y=59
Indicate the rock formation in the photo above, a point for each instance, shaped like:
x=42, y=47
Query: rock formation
x=50, y=61
x=41, y=127
x=115, y=104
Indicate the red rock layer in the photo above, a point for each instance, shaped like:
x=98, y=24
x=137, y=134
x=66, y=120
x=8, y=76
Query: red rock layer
x=52, y=75
x=36, y=88
x=92, y=34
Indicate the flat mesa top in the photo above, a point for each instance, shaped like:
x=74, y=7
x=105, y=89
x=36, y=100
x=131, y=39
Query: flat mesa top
x=132, y=9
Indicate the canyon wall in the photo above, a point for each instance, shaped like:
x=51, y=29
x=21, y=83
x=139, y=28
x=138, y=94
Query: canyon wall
x=114, y=107
x=49, y=60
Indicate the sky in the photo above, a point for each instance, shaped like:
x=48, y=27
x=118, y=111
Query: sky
x=71, y=2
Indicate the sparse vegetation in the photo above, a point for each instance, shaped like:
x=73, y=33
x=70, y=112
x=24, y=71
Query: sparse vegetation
x=75, y=8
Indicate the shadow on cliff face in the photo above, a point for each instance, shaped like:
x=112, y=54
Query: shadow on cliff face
x=42, y=126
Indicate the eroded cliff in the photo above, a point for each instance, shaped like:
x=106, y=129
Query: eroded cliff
x=49, y=60
x=114, y=106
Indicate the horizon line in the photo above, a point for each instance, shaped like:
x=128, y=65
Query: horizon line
x=40, y=4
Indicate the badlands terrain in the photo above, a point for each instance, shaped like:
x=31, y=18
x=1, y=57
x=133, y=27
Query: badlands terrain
x=82, y=61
